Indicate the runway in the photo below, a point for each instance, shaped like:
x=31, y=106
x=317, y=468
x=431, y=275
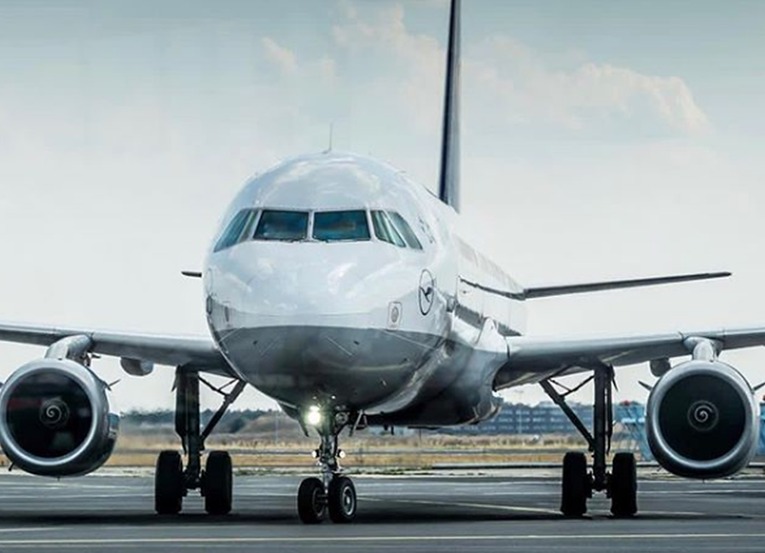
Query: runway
x=113, y=512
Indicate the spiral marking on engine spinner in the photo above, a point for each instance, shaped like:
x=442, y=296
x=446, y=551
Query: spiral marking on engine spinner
x=703, y=416
x=54, y=413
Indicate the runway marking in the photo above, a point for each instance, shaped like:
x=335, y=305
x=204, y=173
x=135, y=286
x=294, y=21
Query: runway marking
x=369, y=539
x=471, y=505
x=24, y=530
x=703, y=492
x=78, y=496
x=514, y=508
x=680, y=513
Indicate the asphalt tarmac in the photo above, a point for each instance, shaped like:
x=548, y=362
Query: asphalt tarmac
x=113, y=512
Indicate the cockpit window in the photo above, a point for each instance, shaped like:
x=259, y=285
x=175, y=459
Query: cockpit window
x=384, y=229
x=238, y=229
x=334, y=226
x=405, y=230
x=288, y=226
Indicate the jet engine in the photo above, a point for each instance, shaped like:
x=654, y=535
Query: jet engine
x=56, y=419
x=702, y=420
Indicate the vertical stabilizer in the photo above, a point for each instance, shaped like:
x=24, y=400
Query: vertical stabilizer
x=449, y=180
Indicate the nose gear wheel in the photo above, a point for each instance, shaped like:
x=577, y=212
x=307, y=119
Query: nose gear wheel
x=333, y=494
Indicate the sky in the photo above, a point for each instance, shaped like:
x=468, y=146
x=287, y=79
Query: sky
x=601, y=139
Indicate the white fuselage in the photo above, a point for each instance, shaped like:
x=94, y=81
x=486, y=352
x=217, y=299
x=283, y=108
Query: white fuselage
x=368, y=326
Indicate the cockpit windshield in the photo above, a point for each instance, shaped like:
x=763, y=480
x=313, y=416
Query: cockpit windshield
x=405, y=230
x=326, y=226
x=238, y=229
x=282, y=225
x=385, y=231
x=334, y=226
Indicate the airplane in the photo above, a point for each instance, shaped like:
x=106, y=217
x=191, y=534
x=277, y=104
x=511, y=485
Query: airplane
x=355, y=297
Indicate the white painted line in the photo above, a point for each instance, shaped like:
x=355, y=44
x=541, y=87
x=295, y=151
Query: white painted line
x=25, y=530
x=78, y=496
x=369, y=539
x=702, y=492
x=679, y=513
x=473, y=506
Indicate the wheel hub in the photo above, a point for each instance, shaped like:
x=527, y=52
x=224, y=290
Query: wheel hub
x=349, y=501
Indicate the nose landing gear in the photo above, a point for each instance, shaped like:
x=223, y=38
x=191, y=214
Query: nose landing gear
x=333, y=494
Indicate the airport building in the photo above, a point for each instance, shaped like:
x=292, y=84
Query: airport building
x=547, y=418
x=543, y=418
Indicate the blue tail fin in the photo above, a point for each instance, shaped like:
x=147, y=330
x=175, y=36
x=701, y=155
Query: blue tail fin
x=449, y=180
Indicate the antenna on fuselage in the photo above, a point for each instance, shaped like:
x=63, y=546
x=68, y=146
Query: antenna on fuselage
x=449, y=180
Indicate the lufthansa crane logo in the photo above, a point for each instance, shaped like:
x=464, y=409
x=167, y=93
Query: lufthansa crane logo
x=427, y=292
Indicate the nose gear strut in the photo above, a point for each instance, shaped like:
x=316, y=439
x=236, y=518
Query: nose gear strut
x=333, y=493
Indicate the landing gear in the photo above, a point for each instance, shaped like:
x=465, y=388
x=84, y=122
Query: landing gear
x=172, y=481
x=312, y=501
x=341, y=500
x=168, y=483
x=217, y=483
x=333, y=494
x=338, y=500
x=624, y=485
x=578, y=485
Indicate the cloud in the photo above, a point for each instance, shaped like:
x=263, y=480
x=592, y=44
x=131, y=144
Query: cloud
x=284, y=58
x=419, y=56
x=327, y=69
x=507, y=78
x=582, y=94
x=348, y=9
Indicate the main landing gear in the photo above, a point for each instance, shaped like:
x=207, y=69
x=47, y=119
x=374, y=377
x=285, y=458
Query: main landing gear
x=579, y=484
x=172, y=481
x=333, y=494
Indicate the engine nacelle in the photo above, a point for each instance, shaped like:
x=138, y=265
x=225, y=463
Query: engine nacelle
x=56, y=419
x=702, y=420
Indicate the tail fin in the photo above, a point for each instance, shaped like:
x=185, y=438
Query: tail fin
x=449, y=180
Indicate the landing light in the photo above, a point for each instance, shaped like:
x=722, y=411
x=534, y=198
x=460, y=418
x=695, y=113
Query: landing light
x=313, y=417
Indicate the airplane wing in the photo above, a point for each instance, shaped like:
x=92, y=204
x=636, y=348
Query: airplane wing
x=170, y=350
x=531, y=359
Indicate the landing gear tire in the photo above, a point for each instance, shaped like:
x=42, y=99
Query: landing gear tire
x=623, y=485
x=218, y=482
x=312, y=501
x=168, y=483
x=576, y=488
x=341, y=500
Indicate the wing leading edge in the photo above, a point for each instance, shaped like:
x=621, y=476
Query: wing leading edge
x=533, y=359
x=155, y=348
